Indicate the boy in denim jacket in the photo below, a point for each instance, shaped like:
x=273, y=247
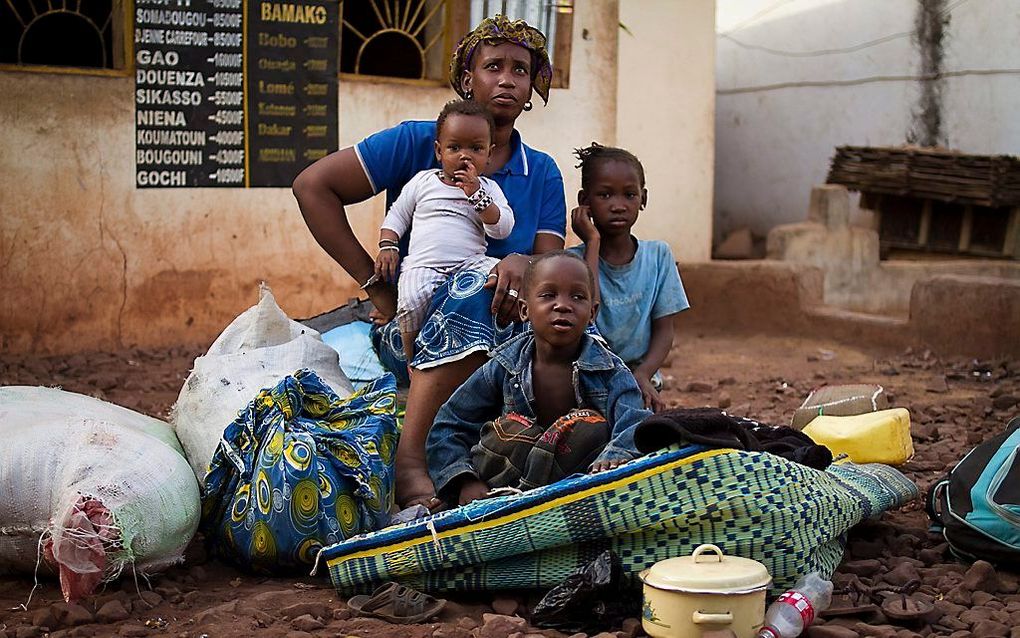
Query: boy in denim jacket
x=551, y=402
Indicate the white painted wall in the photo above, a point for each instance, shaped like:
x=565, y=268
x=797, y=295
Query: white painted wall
x=797, y=78
x=981, y=110
x=665, y=115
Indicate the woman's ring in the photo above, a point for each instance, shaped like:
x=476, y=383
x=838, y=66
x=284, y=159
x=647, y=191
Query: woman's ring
x=491, y=275
x=513, y=293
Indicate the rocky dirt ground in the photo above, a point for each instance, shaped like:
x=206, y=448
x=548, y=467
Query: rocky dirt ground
x=954, y=404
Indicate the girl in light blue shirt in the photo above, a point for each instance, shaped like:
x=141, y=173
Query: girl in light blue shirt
x=639, y=286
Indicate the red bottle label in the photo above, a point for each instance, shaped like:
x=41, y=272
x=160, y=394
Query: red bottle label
x=801, y=604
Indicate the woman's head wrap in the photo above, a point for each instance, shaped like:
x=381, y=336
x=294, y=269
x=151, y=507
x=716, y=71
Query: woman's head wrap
x=502, y=29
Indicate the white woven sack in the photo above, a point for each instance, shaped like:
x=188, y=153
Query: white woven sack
x=59, y=447
x=258, y=349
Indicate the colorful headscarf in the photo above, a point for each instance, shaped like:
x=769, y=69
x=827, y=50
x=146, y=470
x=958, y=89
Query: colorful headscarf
x=501, y=29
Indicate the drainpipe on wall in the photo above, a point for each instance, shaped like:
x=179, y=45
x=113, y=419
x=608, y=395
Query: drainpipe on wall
x=930, y=30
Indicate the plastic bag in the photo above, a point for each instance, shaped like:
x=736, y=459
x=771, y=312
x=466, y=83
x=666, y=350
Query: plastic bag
x=589, y=599
x=90, y=488
x=260, y=347
x=840, y=400
x=348, y=330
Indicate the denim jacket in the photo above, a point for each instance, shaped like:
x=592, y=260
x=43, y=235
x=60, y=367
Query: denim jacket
x=504, y=384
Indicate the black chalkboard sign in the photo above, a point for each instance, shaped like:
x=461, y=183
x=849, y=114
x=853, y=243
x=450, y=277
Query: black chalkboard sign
x=233, y=93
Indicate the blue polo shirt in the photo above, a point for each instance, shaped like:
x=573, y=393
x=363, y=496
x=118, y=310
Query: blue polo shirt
x=530, y=180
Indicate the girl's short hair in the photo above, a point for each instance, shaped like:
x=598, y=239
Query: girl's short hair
x=465, y=107
x=591, y=156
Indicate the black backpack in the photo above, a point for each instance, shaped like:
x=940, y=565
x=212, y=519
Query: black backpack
x=977, y=505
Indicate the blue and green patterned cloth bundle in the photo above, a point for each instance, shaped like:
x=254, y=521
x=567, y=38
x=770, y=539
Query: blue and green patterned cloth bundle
x=299, y=469
x=788, y=516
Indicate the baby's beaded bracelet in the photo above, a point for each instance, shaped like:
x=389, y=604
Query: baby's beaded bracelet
x=480, y=200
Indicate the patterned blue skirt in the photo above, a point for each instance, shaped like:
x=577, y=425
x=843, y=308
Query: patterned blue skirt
x=460, y=322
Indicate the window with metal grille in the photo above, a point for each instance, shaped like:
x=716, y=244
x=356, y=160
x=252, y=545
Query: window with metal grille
x=80, y=34
x=554, y=18
x=413, y=39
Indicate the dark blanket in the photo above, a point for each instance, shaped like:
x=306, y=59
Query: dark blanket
x=716, y=429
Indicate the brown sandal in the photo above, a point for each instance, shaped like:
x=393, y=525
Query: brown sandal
x=851, y=600
x=897, y=602
x=398, y=604
x=848, y=602
x=906, y=607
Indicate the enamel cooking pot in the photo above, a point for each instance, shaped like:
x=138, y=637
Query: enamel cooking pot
x=687, y=596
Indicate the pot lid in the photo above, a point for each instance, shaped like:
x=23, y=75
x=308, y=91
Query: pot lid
x=707, y=570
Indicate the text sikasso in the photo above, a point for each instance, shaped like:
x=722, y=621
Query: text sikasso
x=299, y=13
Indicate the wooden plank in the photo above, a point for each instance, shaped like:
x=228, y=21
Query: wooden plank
x=562, y=47
x=925, y=227
x=966, y=225
x=1011, y=246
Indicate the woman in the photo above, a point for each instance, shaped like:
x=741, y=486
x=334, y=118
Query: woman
x=499, y=64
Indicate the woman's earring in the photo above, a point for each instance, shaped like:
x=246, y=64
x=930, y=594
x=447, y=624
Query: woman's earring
x=528, y=105
x=468, y=95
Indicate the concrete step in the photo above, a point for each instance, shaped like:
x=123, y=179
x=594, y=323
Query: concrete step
x=859, y=327
x=950, y=314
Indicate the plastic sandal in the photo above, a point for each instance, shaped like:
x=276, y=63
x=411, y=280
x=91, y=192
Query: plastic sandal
x=839, y=610
x=397, y=604
x=906, y=608
x=851, y=600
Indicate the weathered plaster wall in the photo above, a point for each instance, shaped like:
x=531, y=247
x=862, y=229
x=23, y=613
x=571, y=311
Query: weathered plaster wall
x=88, y=261
x=797, y=79
x=848, y=258
x=666, y=116
x=966, y=315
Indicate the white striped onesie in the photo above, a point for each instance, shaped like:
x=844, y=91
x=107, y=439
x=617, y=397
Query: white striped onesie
x=447, y=236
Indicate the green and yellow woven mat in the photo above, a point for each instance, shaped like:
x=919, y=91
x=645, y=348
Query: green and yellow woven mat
x=788, y=516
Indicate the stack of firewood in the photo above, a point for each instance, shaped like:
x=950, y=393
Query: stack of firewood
x=929, y=173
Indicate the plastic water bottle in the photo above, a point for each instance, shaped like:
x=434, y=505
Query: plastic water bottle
x=795, y=610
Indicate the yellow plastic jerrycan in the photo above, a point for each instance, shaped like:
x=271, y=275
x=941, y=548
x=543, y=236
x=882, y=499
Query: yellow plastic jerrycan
x=873, y=437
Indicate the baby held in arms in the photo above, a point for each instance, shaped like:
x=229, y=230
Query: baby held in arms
x=449, y=212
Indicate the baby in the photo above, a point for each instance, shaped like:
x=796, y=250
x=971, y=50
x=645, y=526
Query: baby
x=452, y=209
